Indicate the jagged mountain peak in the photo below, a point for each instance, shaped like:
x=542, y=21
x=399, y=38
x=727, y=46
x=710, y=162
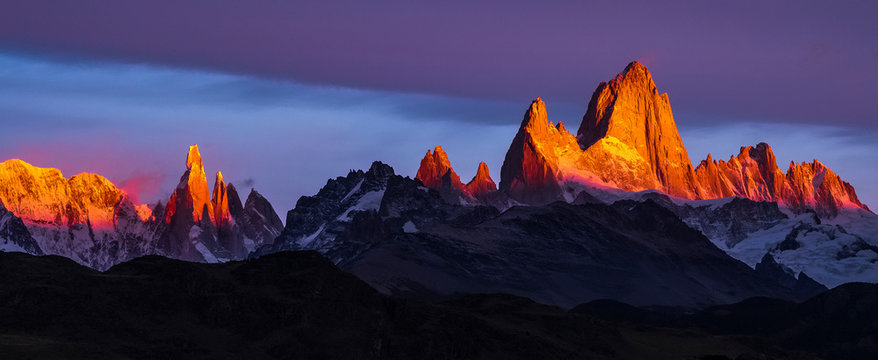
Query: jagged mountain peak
x=628, y=139
x=44, y=195
x=636, y=73
x=193, y=157
x=754, y=174
x=762, y=153
x=537, y=126
x=192, y=193
x=220, y=201
x=530, y=171
x=481, y=184
x=482, y=172
x=815, y=186
x=561, y=127
x=535, y=120
x=629, y=116
x=254, y=195
x=90, y=220
x=236, y=208
x=434, y=167
x=709, y=159
x=440, y=153
x=435, y=172
x=380, y=170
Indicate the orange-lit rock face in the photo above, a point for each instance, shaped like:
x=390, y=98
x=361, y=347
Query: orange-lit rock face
x=530, y=171
x=144, y=212
x=715, y=179
x=754, y=174
x=220, y=201
x=435, y=166
x=481, y=184
x=43, y=195
x=628, y=140
x=436, y=173
x=628, y=116
x=192, y=192
x=816, y=186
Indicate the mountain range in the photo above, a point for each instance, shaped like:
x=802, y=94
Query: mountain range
x=615, y=211
x=88, y=219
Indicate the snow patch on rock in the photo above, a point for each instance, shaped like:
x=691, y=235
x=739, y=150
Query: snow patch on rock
x=353, y=191
x=369, y=201
x=409, y=227
x=310, y=238
x=205, y=252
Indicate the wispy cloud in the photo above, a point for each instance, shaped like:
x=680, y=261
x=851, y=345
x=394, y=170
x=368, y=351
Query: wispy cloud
x=127, y=120
x=798, y=61
x=133, y=124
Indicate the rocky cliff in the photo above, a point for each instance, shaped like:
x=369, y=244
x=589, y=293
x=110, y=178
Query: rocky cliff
x=628, y=140
x=90, y=220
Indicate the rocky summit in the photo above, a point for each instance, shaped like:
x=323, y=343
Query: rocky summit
x=436, y=172
x=481, y=185
x=88, y=219
x=615, y=211
x=628, y=120
x=627, y=148
x=407, y=240
x=628, y=140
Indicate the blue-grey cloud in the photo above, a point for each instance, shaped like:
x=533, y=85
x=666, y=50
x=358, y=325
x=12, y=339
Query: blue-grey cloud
x=121, y=120
x=797, y=61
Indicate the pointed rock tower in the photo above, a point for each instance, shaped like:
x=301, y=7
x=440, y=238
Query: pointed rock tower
x=531, y=170
x=628, y=140
x=223, y=229
x=220, y=202
x=714, y=178
x=481, y=184
x=192, y=192
x=629, y=119
x=434, y=167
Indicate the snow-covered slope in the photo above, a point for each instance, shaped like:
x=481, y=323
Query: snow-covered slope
x=828, y=253
x=14, y=235
x=831, y=250
x=88, y=219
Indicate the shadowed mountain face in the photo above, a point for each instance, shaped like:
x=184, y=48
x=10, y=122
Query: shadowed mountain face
x=405, y=239
x=293, y=305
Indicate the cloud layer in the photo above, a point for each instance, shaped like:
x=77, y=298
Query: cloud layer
x=134, y=123
x=812, y=62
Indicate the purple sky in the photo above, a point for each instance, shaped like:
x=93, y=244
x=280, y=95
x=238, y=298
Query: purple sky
x=803, y=73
